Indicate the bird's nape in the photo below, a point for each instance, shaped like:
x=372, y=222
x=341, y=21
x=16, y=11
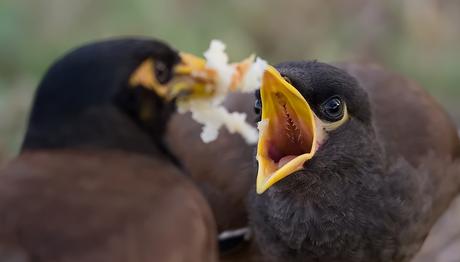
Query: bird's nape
x=94, y=180
x=96, y=86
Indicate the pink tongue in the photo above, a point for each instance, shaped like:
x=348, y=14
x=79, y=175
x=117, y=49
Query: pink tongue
x=284, y=160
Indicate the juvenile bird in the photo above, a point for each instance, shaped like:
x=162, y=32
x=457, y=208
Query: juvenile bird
x=354, y=164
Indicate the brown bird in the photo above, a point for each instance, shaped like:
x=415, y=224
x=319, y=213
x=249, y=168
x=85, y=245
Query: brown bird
x=355, y=164
x=443, y=242
x=223, y=170
x=94, y=180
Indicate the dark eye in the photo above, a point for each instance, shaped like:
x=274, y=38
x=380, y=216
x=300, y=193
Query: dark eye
x=161, y=72
x=257, y=103
x=257, y=106
x=332, y=109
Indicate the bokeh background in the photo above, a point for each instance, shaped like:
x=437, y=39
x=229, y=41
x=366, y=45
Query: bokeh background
x=419, y=38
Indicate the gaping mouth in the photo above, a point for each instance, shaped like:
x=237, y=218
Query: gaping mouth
x=287, y=131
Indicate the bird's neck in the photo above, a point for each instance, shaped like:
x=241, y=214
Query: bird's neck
x=340, y=199
x=102, y=129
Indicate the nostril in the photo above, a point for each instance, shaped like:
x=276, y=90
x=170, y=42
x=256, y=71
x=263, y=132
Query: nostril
x=287, y=79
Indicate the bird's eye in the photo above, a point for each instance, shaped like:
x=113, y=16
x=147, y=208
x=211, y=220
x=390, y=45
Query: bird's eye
x=257, y=103
x=162, y=73
x=257, y=106
x=332, y=109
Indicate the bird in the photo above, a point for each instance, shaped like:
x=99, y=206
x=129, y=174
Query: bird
x=355, y=163
x=223, y=171
x=443, y=242
x=223, y=168
x=94, y=180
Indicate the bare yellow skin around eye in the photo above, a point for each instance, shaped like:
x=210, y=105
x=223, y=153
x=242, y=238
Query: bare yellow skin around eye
x=144, y=76
x=330, y=126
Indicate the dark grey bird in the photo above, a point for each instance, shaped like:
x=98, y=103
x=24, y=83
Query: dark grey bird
x=355, y=163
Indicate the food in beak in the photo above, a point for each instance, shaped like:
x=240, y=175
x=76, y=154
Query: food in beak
x=217, y=78
x=287, y=131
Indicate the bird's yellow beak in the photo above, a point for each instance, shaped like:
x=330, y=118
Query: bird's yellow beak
x=287, y=128
x=191, y=78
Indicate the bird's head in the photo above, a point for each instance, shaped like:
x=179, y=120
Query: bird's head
x=310, y=112
x=139, y=78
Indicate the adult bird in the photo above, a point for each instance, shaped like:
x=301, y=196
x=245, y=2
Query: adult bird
x=94, y=180
x=354, y=164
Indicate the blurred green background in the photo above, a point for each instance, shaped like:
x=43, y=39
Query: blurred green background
x=419, y=38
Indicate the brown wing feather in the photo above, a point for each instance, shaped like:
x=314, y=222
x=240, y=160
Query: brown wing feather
x=223, y=169
x=95, y=206
x=410, y=122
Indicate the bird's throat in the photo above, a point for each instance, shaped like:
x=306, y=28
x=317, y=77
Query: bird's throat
x=287, y=131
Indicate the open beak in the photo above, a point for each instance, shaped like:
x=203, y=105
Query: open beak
x=287, y=136
x=191, y=78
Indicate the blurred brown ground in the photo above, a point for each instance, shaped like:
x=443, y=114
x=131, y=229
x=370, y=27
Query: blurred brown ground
x=419, y=38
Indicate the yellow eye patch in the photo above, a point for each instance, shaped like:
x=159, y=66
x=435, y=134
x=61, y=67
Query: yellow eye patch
x=144, y=76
